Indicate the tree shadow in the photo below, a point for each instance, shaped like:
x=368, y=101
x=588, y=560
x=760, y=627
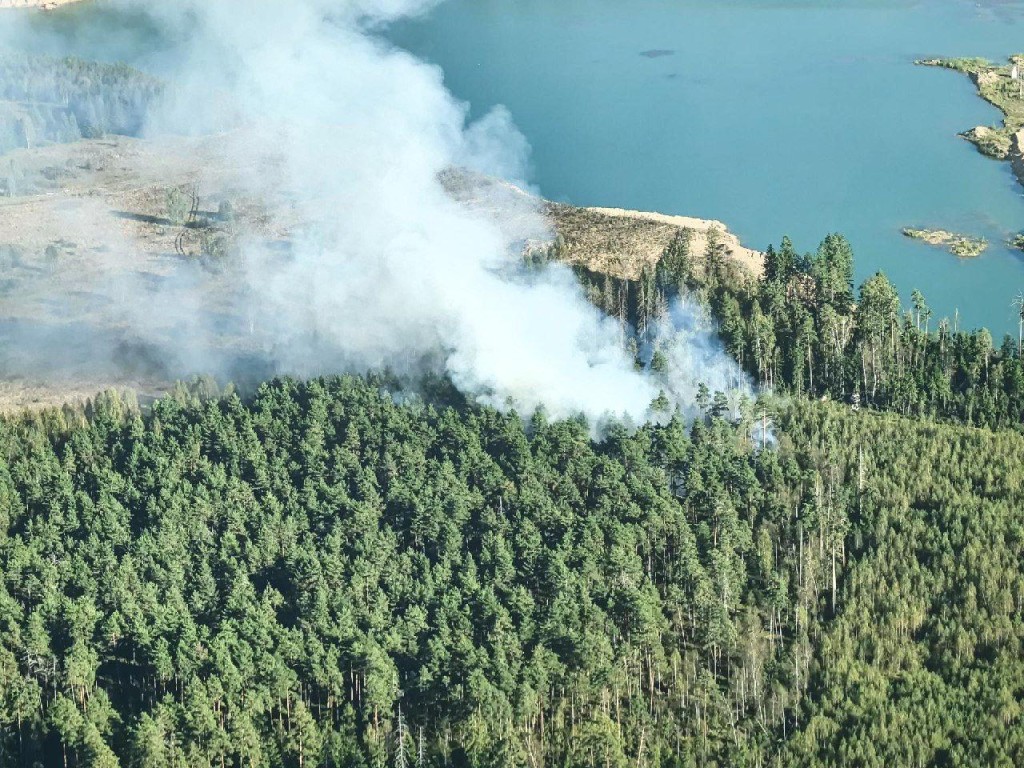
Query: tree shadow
x=143, y=218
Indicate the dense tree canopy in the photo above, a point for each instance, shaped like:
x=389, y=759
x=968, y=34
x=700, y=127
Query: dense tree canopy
x=801, y=329
x=325, y=574
x=339, y=573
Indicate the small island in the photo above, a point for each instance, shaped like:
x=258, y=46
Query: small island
x=1002, y=85
x=963, y=246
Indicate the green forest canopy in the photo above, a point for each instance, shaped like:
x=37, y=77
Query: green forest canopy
x=803, y=330
x=321, y=576
x=325, y=574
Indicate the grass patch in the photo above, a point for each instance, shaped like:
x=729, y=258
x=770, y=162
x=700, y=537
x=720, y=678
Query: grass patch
x=963, y=246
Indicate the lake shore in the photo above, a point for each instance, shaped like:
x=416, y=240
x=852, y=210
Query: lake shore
x=1001, y=85
x=614, y=241
x=752, y=260
x=45, y=5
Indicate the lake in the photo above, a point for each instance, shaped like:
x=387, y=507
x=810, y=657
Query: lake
x=797, y=118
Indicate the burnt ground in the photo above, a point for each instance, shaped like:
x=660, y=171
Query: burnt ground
x=94, y=225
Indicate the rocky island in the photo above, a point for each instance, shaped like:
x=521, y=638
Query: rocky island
x=964, y=246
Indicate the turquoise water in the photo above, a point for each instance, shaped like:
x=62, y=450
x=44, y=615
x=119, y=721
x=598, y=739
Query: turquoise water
x=796, y=118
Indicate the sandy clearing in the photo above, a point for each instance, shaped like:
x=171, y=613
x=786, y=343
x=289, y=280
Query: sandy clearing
x=90, y=224
x=751, y=259
x=616, y=241
x=622, y=243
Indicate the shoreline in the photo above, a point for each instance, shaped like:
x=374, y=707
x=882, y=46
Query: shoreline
x=750, y=258
x=119, y=185
x=43, y=5
x=996, y=84
x=615, y=241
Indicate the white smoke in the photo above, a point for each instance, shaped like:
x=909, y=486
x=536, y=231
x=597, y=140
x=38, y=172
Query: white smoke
x=693, y=356
x=393, y=266
x=351, y=135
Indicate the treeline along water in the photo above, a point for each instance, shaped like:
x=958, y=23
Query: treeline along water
x=44, y=99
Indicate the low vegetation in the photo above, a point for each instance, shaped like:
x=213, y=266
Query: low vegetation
x=964, y=246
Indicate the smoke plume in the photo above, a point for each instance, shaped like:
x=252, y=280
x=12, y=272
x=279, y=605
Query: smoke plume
x=364, y=260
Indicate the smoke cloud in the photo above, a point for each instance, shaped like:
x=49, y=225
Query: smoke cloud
x=364, y=260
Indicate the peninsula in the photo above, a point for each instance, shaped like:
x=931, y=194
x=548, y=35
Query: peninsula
x=1002, y=85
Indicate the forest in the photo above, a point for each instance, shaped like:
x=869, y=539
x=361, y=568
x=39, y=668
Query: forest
x=801, y=329
x=337, y=573
x=58, y=100
x=363, y=571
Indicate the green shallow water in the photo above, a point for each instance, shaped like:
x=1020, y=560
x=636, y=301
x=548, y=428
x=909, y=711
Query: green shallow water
x=796, y=118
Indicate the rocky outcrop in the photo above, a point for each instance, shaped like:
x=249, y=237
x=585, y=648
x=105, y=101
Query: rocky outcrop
x=1001, y=86
x=989, y=141
x=1016, y=154
x=963, y=246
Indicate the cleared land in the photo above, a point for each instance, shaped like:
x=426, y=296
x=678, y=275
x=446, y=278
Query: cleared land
x=609, y=240
x=96, y=223
x=90, y=232
x=622, y=242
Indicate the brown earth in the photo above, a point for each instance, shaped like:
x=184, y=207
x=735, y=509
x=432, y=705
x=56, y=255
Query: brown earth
x=118, y=187
x=622, y=242
x=612, y=240
x=91, y=221
x=93, y=215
